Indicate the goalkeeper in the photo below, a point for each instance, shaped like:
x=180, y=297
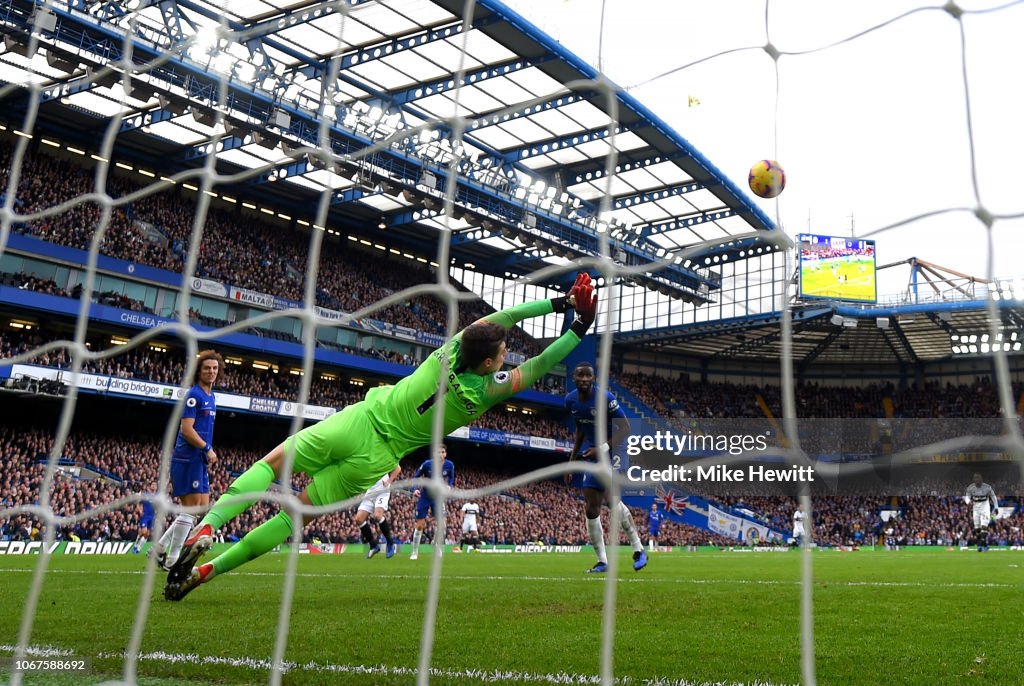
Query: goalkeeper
x=349, y=451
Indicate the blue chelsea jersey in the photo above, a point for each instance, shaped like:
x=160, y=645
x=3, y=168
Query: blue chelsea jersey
x=654, y=520
x=584, y=413
x=202, y=407
x=426, y=471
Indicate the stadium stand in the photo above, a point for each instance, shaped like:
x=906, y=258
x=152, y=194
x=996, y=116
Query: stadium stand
x=673, y=397
x=118, y=467
x=111, y=467
x=242, y=252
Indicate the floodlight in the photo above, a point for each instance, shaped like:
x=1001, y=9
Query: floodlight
x=57, y=61
x=172, y=105
x=264, y=139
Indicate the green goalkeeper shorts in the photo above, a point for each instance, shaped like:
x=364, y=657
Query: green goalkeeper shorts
x=343, y=454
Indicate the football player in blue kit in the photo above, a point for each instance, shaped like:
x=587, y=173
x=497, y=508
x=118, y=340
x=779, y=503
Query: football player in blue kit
x=654, y=519
x=424, y=503
x=190, y=462
x=146, y=519
x=582, y=405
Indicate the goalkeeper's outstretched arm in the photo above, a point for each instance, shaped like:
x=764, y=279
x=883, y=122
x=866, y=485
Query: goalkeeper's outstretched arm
x=584, y=299
x=511, y=316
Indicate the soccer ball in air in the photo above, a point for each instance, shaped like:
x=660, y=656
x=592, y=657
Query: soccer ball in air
x=767, y=179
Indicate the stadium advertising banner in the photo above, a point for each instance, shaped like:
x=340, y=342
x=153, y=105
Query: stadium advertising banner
x=288, y=409
x=271, y=302
x=138, y=388
x=543, y=443
x=837, y=268
x=531, y=548
x=209, y=287
x=66, y=547
x=263, y=405
x=723, y=523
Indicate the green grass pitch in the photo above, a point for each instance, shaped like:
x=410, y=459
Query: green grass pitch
x=907, y=617
x=823, y=283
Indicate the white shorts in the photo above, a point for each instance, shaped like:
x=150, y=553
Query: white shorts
x=981, y=517
x=371, y=504
x=467, y=527
x=798, y=530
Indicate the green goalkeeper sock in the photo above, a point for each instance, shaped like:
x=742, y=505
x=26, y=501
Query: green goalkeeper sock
x=256, y=479
x=260, y=540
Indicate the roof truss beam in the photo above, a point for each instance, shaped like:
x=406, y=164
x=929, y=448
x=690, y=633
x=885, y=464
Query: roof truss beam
x=596, y=169
x=821, y=347
x=410, y=216
x=748, y=345
x=502, y=115
x=297, y=15
x=396, y=45
x=237, y=27
x=676, y=334
x=740, y=249
x=904, y=342
x=201, y=150
x=423, y=90
x=624, y=201
x=105, y=10
x=146, y=118
x=568, y=141
x=180, y=78
x=892, y=346
x=941, y=323
x=689, y=221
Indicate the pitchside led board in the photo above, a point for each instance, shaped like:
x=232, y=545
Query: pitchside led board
x=837, y=268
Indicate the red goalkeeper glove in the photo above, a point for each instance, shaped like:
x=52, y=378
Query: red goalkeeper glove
x=586, y=309
x=582, y=279
x=563, y=303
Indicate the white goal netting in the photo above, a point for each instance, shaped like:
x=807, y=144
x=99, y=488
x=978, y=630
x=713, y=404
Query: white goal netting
x=836, y=99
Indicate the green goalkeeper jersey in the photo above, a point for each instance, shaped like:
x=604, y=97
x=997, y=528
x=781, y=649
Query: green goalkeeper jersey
x=403, y=414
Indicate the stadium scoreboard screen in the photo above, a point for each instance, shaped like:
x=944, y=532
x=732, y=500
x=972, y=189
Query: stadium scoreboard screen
x=837, y=268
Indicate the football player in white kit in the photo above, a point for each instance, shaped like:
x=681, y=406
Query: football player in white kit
x=470, y=527
x=986, y=504
x=375, y=506
x=798, y=525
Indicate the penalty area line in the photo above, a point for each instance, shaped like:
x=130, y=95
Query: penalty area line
x=485, y=676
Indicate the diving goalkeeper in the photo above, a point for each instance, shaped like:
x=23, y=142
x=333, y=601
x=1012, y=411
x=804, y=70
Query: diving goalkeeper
x=349, y=451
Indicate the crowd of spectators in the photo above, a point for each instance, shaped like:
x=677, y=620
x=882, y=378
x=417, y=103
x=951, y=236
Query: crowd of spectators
x=168, y=367
x=100, y=469
x=30, y=282
x=902, y=520
x=693, y=404
x=234, y=249
x=682, y=398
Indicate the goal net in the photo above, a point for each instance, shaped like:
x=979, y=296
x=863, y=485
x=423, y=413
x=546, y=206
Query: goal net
x=841, y=101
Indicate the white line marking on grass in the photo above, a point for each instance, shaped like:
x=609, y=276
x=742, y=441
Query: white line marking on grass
x=489, y=676
x=582, y=579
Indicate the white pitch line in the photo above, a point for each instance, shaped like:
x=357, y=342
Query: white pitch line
x=581, y=579
x=489, y=676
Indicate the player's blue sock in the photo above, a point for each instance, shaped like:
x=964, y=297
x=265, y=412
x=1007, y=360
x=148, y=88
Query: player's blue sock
x=255, y=480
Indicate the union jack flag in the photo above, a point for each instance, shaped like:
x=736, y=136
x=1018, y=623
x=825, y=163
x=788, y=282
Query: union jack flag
x=670, y=500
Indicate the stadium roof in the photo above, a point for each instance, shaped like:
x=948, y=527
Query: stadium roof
x=844, y=333
x=254, y=82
